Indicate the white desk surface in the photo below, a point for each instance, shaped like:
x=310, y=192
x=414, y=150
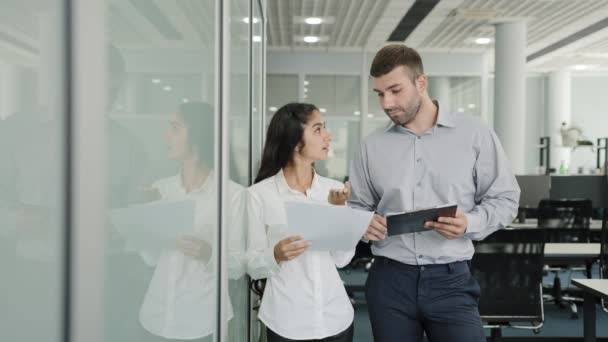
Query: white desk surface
x=556, y=249
x=598, y=287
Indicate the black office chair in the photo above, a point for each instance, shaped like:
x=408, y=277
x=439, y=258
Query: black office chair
x=363, y=259
x=565, y=220
x=511, y=235
x=510, y=277
x=604, y=254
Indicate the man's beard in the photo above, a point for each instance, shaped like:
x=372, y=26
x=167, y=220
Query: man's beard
x=409, y=113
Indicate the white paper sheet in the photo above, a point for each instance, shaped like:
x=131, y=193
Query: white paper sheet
x=327, y=227
x=153, y=226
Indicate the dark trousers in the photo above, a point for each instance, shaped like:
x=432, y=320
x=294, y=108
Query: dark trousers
x=405, y=300
x=345, y=336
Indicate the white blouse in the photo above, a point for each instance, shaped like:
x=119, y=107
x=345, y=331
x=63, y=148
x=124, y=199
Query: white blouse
x=304, y=298
x=181, y=299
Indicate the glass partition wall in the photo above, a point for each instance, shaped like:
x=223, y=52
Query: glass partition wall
x=129, y=132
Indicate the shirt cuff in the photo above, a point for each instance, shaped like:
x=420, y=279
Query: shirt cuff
x=474, y=223
x=273, y=267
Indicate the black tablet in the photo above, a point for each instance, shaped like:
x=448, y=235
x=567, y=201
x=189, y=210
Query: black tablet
x=413, y=221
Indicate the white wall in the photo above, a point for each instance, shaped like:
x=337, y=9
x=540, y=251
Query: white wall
x=590, y=112
x=590, y=105
x=536, y=115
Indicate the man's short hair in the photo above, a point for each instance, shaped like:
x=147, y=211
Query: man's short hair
x=394, y=55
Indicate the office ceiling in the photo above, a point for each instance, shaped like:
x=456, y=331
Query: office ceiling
x=450, y=26
x=561, y=33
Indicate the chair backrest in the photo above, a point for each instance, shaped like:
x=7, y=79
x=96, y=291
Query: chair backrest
x=565, y=220
x=516, y=235
x=604, y=247
x=510, y=277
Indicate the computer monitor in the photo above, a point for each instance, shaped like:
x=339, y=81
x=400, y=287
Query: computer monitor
x=593, y=187
x=533, y=189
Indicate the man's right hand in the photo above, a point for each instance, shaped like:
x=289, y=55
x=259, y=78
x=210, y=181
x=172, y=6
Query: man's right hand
x=289, y=248
x=377, y=229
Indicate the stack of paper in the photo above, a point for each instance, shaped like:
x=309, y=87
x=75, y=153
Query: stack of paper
x=327, y=227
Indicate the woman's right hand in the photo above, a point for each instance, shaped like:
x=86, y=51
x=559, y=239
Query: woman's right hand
x=290, y=248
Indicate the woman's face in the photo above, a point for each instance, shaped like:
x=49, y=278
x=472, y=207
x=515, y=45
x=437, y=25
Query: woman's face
x=316, y=138
x=176, y=138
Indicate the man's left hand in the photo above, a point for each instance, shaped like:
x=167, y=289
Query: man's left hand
x=449, y=227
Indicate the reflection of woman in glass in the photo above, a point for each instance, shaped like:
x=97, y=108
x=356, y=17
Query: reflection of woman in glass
x=181, y=299
x=304, y=298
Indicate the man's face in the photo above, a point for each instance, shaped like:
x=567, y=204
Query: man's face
x=399, y=96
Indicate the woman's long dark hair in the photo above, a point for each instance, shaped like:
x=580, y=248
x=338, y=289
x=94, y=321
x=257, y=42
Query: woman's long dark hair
x=285, y=132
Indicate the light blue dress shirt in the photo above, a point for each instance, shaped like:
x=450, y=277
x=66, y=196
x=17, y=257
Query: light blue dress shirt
x=460, y=160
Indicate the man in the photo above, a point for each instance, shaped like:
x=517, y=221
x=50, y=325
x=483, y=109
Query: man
x=421, y=282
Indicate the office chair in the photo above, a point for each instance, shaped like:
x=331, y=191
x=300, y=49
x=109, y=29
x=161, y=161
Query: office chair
x=510, y=276
x=363, y=259
x=604, y=254
x=565, y=220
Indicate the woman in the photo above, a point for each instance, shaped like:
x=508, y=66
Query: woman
x=304, y=298
x=181, y=299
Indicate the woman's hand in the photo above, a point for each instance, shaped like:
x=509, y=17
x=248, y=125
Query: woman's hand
x=339, y=196
x=194, y=247
x=290, y=248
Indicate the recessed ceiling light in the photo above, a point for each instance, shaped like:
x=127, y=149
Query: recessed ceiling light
x=357, y=113
x=472, y=105
x=370, y=115
x=313, y=21
x=461, y=110
x=483, y=41
x=255, y=20
x=581, y=67
x=257, y=39
x=167, y=88
x=272, y=109
x=311, y=39
x=306, y=83
x=322, y=110
x=156, y=80
x=185, y=100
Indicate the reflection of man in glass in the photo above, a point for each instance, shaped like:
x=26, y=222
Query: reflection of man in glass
x=181, y=299
x=31, y=209
x=126, y=274
x=30, y=219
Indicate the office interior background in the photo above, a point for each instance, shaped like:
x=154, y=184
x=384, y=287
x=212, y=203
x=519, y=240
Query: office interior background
x=88, y=92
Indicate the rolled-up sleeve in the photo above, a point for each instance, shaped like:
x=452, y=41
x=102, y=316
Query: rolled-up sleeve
x=362, y=195
x=497, y=191
x=260, y=255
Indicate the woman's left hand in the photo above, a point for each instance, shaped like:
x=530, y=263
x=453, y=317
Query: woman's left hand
x=339, y=196
x=194, y=247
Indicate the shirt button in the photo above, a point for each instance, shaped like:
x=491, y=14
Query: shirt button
x=421, y=268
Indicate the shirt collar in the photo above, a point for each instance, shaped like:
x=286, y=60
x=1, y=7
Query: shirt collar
x=444, y=117
x=284, y=188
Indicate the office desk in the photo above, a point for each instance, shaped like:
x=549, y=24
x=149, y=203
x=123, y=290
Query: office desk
x=571, y=253
x=596, y=225
x=593, y=289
